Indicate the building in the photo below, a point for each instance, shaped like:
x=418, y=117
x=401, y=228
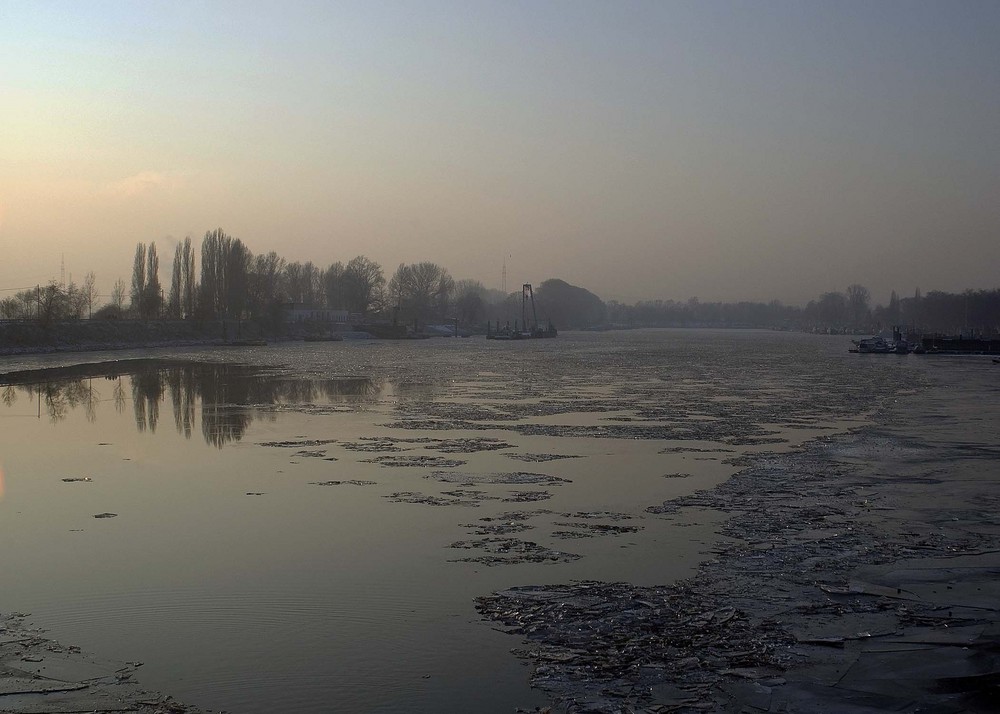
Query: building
x=300, y=312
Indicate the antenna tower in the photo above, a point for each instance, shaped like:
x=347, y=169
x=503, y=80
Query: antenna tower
x=503, y=277
x=62, y=271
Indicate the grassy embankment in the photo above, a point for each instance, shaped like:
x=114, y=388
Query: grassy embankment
x=77, y=335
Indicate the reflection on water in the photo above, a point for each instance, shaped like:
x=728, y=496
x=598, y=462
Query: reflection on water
x=57, y=399
x=293, y=576
x=228, y=397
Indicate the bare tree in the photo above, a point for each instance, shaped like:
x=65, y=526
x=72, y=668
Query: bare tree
x=470, y=300
x=894, y=313
x=304, y=283
x=238, y=258
x=421, y=291
x=224, y=265
x=443, y=292
x=363, y=279
x=292, y=280
x=176, y=283
x=53, y=304
x=915, y=308
x=76, y=301
x=335, y=286
x=188, y=287
x=212, y=272
x=857, y=299
x=9, y=308
x=264, y=285
x=180, y=302
x=312, y=284
x=138, y=278
x=23, y=306
x=89, y=291
x=398, y=290
x=152, y=294
x=118, y=295
x=832, y=309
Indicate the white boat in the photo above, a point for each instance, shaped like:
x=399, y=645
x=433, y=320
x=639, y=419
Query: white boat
x=878, y=345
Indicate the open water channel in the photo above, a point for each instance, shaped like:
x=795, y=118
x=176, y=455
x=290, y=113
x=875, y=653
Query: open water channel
x=304, y=527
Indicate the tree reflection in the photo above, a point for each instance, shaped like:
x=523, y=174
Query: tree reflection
x=181, y=383
x=147, y=391
x=90, y=402
x=56, y=400
x=118, y=394
x=227, y=397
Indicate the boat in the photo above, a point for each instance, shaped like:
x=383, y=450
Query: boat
x=874, y=346
x=928, y=345
x=524, y=331
x=323, y=338
x=506, y=332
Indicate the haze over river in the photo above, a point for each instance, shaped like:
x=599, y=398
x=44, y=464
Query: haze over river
x=304, y=527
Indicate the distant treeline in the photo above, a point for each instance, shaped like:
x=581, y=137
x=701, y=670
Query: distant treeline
x=225, y=280
x=849, y=311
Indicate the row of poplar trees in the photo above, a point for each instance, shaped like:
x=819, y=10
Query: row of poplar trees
x=235, y=283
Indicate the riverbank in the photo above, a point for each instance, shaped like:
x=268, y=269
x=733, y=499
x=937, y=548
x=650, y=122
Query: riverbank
x=860, y=574
x=25, y=338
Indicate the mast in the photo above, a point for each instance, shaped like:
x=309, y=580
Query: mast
x=528, y=294
x=524, y=306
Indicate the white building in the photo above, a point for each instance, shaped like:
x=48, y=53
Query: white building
x=300, y=312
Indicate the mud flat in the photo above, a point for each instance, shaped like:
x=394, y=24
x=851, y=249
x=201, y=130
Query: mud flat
x=860, y=574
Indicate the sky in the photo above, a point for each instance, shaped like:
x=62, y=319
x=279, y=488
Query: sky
x=644, y=150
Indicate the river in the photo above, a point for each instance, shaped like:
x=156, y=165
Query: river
x=303, y=527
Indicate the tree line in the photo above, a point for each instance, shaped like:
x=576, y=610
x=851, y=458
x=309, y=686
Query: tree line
x=226, y=280
x=835, y=312
x=52, y=302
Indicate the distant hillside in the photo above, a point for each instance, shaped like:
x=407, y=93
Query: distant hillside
x=569, y=306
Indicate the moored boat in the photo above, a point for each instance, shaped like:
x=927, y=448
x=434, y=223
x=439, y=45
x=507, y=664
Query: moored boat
x=874, y=345
x=525, y=332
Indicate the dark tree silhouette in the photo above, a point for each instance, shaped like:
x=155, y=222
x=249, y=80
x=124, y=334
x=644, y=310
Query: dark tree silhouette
x=138, y=279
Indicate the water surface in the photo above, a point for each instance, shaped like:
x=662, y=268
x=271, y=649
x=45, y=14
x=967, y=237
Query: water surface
x=303, y=527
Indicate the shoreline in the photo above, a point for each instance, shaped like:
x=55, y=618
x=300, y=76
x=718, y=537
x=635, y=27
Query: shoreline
x=857, y=574
x=25, y=339
x=112, y=347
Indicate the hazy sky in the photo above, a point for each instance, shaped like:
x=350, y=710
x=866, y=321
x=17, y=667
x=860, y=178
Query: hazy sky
x=724, y=150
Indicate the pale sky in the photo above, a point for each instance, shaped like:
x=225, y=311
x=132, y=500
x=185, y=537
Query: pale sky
x=725, y=150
